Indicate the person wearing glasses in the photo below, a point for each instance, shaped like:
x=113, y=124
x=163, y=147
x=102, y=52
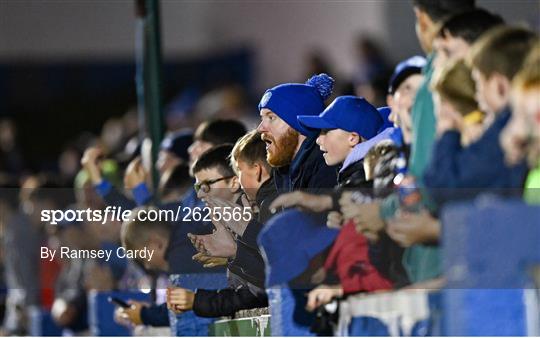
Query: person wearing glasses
x=181, y=266
x=216, y=181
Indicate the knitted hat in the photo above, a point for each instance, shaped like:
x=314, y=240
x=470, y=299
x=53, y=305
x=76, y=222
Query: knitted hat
x=289, y=241
x=349, y=113
x=178, y=143
x=290, y=100
x=404, y=69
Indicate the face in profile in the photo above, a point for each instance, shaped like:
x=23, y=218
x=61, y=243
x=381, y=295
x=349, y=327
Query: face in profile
x=521, y=137
x=487, y=91
x=527, y=105
x=281, y=140
x=249, y=176
x=448, y=49
x=401, y=103
x=336, y=144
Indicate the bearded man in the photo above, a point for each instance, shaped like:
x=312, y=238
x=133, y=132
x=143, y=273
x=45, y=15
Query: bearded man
x=291, y=148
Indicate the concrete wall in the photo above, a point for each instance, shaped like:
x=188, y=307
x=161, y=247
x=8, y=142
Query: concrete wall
x=281, y=32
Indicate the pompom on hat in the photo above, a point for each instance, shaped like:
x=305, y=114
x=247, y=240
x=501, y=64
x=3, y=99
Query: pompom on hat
x=290, y=100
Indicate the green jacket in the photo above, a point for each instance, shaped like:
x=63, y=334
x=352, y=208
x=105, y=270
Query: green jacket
x=422, y=262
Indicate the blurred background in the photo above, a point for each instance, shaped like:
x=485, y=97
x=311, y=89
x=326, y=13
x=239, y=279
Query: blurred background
x=67, y=67
x=67, y=82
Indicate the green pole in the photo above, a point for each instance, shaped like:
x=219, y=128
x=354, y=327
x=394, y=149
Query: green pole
x=153, y=101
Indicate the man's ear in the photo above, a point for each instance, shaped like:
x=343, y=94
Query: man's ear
x=354, y=139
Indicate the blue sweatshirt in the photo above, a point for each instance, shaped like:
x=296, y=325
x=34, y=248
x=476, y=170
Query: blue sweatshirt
x=457, y=173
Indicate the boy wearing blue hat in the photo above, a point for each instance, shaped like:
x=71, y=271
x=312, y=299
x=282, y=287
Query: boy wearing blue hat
x=348, y=121
x=343, y=125
x=290, y=146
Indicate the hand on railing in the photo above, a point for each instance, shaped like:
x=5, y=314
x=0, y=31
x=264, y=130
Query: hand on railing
x=180, y=300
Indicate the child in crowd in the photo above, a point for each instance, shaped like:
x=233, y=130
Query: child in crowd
x=454, y=96
x=216, y=179
x=458, y=172
x=521, y=137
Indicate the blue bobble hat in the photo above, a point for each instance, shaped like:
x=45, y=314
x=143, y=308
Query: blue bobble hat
x=178, y=143
x=290, y=100
x=404, y=69
x=349, y=113
x=289, y=241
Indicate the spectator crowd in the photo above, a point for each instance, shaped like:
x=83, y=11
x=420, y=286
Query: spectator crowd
x=344, y=192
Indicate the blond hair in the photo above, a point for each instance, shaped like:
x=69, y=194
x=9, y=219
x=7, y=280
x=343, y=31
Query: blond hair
x=251, y=149
x=455, y=84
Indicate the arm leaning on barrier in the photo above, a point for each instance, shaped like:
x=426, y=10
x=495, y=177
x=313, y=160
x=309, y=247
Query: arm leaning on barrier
x=214, y=303
x=310, y=202
x=323, y=294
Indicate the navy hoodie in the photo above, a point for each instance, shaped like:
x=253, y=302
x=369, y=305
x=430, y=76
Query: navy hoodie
x=457, y=173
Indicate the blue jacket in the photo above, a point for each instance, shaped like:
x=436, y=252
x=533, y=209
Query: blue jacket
x=455, y=172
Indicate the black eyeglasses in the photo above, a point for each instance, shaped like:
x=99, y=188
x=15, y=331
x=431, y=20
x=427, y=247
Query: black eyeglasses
x=204, y=186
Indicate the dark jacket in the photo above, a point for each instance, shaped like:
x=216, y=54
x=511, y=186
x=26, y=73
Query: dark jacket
x=248, y=257
x=353, y=176
x=307, y=171
x=457, y=173
x=248, y=265
x=265, y=195
x=226, y=302
x=155, y=315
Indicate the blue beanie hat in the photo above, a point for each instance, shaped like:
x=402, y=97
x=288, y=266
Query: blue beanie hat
x=292, y=99
x=289, y=241
x=178, y=143
x=404, y=69
x=349, y=113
